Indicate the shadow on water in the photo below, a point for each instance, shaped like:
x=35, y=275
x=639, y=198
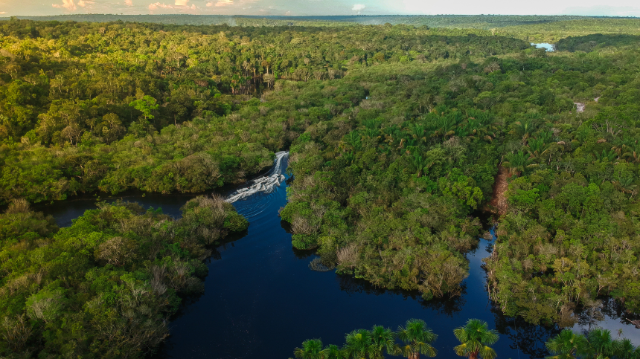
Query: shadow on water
x=262, y=300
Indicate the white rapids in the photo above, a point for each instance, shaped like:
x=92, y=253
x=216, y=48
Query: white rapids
x=265, y=184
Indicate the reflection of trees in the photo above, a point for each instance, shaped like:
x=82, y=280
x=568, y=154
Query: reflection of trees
x=222, y=244
x=589, y=316
x=529, y=338
x=612, y=308
x=607, y=309
x=445, y=305
x=302, y=254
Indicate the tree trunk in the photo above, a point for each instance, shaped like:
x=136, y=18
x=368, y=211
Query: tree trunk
x=473, y=356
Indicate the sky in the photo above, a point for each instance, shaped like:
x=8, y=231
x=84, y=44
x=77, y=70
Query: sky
x=322, y=7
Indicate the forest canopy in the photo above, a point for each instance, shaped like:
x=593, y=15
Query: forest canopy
x=400, y=138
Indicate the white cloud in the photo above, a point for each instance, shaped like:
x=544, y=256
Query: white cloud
x=66, y=4
x=128, y=2
x=71, y=5
x=223, y=3
x=358, y=7
x=157, y=5
x=180, y=5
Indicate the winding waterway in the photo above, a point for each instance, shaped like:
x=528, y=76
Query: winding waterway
x=262, y=300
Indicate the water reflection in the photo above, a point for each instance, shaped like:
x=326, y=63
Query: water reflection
x=610, y=315
x=448, y=306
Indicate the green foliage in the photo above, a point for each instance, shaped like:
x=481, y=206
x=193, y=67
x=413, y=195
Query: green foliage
x=597, y=344
x=105, y=286
x=417, y=339
x=475, y=338
x=396, y=134
x=311, y=349
x=145, y=105
x=566, y=345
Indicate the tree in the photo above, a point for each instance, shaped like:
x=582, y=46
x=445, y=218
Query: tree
x=417, y=339
x=566, y=345
x=311, y=349
x=383, y=339
x=117, y=251
x=145, y=105
x=111, y=127
x=475, y=338
x=624, y=349
x=600, y=343
x=15, y=331
x=333, y=352
x=46, y=305
x=358, y=344
x=72, y=133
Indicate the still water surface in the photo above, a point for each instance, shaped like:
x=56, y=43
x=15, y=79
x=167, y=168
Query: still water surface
x=262, y=300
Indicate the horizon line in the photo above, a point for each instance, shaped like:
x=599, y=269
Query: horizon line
x=334, y=15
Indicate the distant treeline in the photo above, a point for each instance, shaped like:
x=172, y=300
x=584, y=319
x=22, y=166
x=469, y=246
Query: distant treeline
x=449, y=21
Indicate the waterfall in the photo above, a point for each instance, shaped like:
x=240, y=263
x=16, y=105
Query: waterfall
x=266, y=184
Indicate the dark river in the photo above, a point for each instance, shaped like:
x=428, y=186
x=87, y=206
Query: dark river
x=261, y=300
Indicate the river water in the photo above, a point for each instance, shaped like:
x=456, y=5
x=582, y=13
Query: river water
x=262, y=300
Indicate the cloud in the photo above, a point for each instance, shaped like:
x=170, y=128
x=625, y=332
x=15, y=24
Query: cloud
x=3, y=12
x=71, y=5
x=128, y=2
x=358, y=8
x=157, y=5
x=180, y=5
x=221, y=3
x=66, y=4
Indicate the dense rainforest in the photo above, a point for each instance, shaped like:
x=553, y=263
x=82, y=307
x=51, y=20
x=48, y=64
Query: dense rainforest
x=389, y=190
x=88, y=106
x=400, y=137
x=105, y=286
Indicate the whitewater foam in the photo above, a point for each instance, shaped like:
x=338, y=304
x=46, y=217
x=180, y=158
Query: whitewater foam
x=265, y=184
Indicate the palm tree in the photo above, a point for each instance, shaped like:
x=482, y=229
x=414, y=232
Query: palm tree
x=333, y=352
x=311, y=349
x=358, y=344
x=417, y=339
x=600, y=343
x=624, y=349
x=383, y=339
x=566, y=345
x=475, y=338
x=517, y=162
